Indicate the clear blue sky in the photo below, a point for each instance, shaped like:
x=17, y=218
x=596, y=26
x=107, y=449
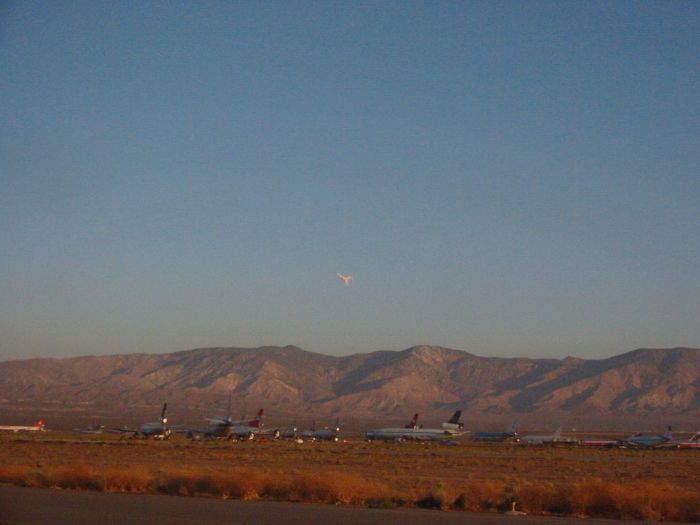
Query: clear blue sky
x=507, y=178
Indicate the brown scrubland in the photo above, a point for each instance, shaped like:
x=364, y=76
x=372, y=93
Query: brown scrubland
x=615, y=483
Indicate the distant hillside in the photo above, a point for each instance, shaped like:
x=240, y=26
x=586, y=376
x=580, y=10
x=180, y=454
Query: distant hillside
x=423, y=378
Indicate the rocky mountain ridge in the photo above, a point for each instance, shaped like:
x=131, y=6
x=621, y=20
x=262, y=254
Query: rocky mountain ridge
x=422, y=378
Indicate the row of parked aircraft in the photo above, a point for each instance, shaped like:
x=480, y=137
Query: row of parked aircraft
x=225, y=427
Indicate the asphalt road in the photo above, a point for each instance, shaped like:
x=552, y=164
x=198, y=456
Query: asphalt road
x=26, y=506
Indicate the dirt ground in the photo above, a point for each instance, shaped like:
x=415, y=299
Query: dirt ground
x=409, y=467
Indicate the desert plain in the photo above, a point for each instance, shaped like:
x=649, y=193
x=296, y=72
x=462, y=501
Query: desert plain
x=456, y=476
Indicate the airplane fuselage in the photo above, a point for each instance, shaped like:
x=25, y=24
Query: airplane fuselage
x=19, y=428
x=647, y=441
x=492, y=436
x=38, y=427
x=400, y=434
x=155, y=430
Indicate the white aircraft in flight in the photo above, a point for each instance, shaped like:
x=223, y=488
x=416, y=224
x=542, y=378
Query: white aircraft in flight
x=37, y=427
x=345, y=278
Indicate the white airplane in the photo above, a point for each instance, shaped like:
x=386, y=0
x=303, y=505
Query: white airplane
x=544, y=440
x=411, y=431
x=156, y=429
x=251, y=428
x=37, y=427
x=345, y=278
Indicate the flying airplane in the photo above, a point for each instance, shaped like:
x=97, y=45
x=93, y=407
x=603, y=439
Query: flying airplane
x=156, y=429
x=544, y=440
x=345, y=278
x=411, y=431
x=641, y=441
x=37, y=427
x=454, y=424
x=323, y=434
x=510, y=433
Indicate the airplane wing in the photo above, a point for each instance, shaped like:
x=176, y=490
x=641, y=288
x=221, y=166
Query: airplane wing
x=123, y=430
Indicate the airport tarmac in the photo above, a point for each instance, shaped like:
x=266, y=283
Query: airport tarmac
x=28, y=506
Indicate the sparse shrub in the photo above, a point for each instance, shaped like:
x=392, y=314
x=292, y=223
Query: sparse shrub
x=231, y=488
x=137, y=479
x=480, y=496
x=170, y=484
x=684, y=507
x=277, y=489
x=76, y=477
x=430, y=501
x=598, y=499
x=385, y=503
x=435, y=499
x=312, y=489
x=37, y=479
x=15, y=474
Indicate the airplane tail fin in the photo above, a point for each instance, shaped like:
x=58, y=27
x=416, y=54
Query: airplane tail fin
x=455, y=417
x=511, y=429
x=257, y=422
x=39, y=424
x=414, y=422
x=669, y=433
x=557, y=434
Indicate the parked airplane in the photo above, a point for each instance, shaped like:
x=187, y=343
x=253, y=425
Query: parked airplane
x=510, y=433
x=323, y=434
x=249, y=429
x=641, y=441
x=290, y=432
x=454, y=424
x=156, y=429
x=411, y=431
x=692, y=442
x=543, y=440
x=37, y=427
x=220, y=427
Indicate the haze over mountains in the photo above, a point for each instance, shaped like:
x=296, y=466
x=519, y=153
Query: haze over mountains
x=434, y=380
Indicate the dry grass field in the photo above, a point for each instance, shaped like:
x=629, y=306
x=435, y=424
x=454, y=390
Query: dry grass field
x=617, y=483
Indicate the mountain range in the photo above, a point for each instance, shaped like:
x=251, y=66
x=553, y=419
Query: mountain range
x=289, y=380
